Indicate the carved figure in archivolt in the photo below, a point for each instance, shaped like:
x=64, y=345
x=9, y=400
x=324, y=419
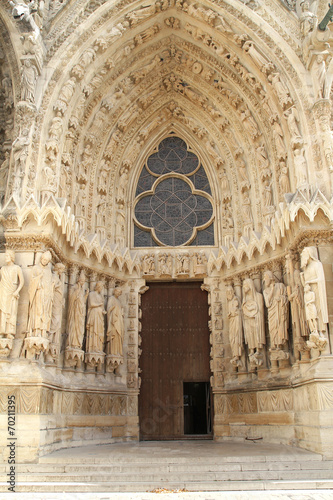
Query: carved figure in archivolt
x=122, y=185
x=28, y=81
x=292, y=117
x=253, y=320
x=284, y=178
x=41, y=289
x=300, y=168
x=58, y=302
x=246, y=208
x=11, y=283
x=77, y=313
x=115, y=331
x=20, y=149
x=276, y=301
x=235, y=324
x=313, y=275
x=95, y=320
x=280, y=89
x=278, y=139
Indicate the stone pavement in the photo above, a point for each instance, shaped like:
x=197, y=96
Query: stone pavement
x=225, y=495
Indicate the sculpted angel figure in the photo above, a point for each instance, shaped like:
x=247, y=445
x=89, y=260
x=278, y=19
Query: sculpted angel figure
x=11, y=283
x=115, y=331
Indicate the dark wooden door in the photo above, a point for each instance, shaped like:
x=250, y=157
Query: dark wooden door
x=175, y=349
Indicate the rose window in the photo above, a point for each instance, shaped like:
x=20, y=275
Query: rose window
x=173, y=203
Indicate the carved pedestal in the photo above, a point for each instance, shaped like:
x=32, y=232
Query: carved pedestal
x=278, y=359
x=34, y=346
x=53, y=353
x=256, y=359
x=6, y=345
x=95, y=360
x=73, y=357
x=113, y=362
x=317, y=341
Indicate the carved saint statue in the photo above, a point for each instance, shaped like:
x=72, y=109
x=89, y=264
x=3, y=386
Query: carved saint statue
x=115, y=332
x=95, y=320
x=313, y=275
x=296, y=298
x=235, y=324
x=253, y=319
x=58, y=303
x=11, y=283
x=40, y=298
x=276, y=301
x=77, y=313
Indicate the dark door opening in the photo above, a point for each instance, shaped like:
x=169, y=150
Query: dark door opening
x=197, y=410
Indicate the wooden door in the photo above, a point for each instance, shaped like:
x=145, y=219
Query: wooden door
x=175, y=349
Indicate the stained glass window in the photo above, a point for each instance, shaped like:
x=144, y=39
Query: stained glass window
x=173, y=203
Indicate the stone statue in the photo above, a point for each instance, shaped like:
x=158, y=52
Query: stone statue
x=95, y=320
x=300, y=168
x=292, y=118
x=307, y=19
x=296, y=298
x=11, y=283
x=235, y=325
x=311, y=314
x=246, y=208
x=313, y=275
x=77, y=314
x=267, y=193
x=318, y=71
x=284, y=178
x=28, y=81
x=148, y=264
x=165, y=264
x=253, y=320
x=58, y=303
x=276, y=301
x=115, y=331
x=20, y=149
x=41, y=289
x=183, y=263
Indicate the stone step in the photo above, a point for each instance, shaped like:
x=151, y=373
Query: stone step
x=310, y=457
x=178, y=477
x=96, y=487
x=174, y=477
x=153, y=467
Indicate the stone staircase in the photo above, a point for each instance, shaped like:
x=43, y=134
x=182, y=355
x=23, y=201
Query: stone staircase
x=79, y=470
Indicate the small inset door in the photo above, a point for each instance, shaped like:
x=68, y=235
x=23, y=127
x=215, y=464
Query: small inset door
x=197, y=408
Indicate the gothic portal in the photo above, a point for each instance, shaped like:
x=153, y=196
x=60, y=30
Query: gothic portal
x=151, y=151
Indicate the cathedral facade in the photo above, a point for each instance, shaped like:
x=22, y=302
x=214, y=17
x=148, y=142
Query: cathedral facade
x=128, y=310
